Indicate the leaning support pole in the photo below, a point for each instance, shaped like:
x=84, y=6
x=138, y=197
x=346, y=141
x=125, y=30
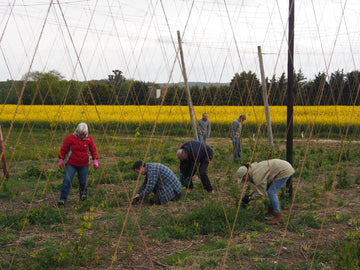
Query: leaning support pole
x=266, y=99
x=187, y=90
x=290, y=93
x=2, y=155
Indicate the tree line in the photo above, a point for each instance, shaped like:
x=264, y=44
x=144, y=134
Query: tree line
x=244, y=89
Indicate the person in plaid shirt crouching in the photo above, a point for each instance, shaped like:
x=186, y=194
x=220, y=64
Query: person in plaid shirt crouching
x=160, y=180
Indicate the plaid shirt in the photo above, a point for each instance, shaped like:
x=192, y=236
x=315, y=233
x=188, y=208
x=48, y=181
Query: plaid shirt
x=160, y=180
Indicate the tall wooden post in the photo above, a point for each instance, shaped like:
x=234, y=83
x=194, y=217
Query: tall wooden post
x=187, y=90
x=2, y=155
x=265, y=98
x=290, y=92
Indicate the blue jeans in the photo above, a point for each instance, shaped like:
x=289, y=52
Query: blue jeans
x=237, y=148
x=272, y=190
x=68, y=178
x=202, y=138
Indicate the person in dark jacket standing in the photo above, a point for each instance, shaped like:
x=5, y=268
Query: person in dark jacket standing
x=74, y=157
x=194, y=156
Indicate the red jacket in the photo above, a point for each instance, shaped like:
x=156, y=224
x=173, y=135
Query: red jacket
x=76, y=151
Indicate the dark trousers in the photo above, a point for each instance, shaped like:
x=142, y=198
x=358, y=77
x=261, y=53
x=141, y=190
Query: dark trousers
x=203, y=175
x=156, y=200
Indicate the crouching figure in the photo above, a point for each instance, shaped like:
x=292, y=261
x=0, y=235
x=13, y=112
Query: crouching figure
x=266, y=177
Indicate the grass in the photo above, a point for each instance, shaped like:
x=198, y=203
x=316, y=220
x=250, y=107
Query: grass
x=200, y=231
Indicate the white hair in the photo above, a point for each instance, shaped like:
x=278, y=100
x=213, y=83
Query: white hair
x=82, y=128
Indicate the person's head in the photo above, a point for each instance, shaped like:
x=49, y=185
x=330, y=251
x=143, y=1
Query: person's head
x=242, y=174
x=82, y=130
x=139, y=167
x=204, y=116
x=242, y=117
x=181, y=154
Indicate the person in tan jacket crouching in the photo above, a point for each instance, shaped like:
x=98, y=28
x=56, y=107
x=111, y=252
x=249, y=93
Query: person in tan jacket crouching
x=267, y=177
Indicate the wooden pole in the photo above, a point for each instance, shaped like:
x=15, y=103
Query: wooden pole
x=187, y=90
x=290, y=92
x=2, y=155
x=265, y=98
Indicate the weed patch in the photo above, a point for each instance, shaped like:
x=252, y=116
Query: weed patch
x=46, y=216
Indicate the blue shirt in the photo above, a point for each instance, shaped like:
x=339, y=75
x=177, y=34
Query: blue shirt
x=160, y=180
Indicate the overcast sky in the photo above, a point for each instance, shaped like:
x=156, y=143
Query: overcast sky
x=87, y=39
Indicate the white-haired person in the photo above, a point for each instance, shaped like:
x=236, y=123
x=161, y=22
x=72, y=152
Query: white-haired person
x=267, y=177
x=74, y=157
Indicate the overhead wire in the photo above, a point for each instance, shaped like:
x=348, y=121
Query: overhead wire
x=137, y=49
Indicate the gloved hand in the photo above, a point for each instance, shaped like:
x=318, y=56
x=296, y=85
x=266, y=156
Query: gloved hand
x=96, y=164
x=208, y=136
x=135, y=200
x=246, y=199
x=233, y=140
x=61, y=163
x=184, y=181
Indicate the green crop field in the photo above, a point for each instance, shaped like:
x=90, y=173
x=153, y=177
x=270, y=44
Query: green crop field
x=319, y=229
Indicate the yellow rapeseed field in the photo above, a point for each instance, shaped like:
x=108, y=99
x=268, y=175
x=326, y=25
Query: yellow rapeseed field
x=319, y=115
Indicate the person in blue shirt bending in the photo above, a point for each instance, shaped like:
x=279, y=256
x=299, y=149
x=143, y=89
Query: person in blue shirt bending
x=160, y=180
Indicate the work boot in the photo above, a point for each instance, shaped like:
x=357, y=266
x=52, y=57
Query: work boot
x=270, y=212
x=276, y=219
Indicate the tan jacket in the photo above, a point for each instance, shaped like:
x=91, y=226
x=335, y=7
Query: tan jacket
x=265, y=172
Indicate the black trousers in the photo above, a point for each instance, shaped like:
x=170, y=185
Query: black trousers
x=203, y=175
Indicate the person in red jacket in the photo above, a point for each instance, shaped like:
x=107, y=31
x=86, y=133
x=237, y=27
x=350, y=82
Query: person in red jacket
x=74, y=157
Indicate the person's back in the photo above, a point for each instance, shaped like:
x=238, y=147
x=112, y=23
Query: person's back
x=271, y=170
x=167, y=184
x=197, y=151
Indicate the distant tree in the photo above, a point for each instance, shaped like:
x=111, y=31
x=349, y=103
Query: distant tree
x=97, y=93
x=197, y=95
x=9, y=92
x=118, y=88
x=321, y=90
x=47, y=90
x=245, y=89
x=222, y=97
x=175, y=96
x=74, y=92
x=351, y=89
x=300, y=98
x=213, y=95
x=36, y=75
x=56, y=74
x=337, y=85
x=32, y=76
x=282, y=88
x=138, y=93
